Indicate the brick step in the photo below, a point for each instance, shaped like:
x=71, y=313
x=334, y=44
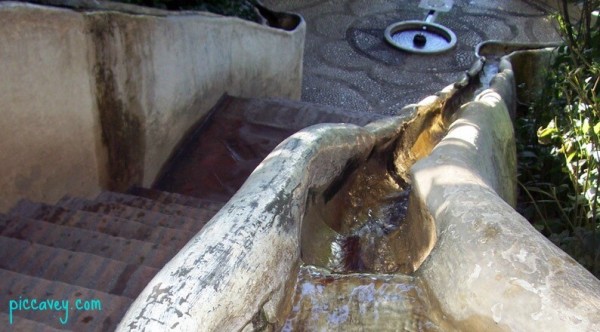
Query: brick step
x=15, y=286
x=290, y=115
x=174, y=198
x=78, y=239
x=222, y=151
x=254, y=141
x=106, y=224
x=217, y=161
x=23, y=324
x=76, y=268
x=198, y=214
x=150, y=218
x=252, y=130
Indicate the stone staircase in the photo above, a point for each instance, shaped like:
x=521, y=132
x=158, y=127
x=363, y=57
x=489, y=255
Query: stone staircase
x=100, y=254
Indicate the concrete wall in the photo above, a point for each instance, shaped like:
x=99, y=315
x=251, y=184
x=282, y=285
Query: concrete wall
x=49, y=126
x=98, y=100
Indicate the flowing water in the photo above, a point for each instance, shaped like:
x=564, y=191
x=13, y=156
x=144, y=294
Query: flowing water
x=363, y=238
x=358, y=226
x=326, y=301
x=357, y=262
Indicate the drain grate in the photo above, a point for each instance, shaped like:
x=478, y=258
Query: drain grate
x=424, y=37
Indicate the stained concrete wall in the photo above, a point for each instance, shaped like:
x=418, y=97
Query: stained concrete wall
x=49, y=126
x=98, y=99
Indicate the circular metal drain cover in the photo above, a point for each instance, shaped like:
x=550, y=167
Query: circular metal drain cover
x=420, y=37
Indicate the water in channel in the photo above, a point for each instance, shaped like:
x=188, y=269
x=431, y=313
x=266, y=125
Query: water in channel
x=363, y=238
x=326, y=301
x=357, y=265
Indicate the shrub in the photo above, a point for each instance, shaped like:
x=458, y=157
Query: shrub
x=560, y=173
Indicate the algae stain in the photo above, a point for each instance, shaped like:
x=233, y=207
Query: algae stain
x=121, y=130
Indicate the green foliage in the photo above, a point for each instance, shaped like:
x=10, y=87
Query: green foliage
x=240, y=8
x=560, y=174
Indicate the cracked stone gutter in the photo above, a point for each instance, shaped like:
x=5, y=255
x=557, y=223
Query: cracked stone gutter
x=484, y=265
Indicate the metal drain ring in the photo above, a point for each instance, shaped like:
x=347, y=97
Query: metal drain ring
x=418, y=25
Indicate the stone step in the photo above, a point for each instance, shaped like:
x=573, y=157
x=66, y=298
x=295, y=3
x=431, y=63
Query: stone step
x=199, y=215
x=290, y=115
x=103, y=251
x=130, y=251
x=222, y=151
x=23, y=324
x=150, y=218
x=174, y=198
x=106, y=224
x=19, y=287
x=76, y=268
x=218, y=160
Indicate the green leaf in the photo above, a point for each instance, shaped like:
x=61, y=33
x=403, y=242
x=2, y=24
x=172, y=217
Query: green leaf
x=545, y=134
x=571, y=155
x=586, y=127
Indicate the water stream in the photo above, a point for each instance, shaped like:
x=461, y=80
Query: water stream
x=358, y=243
x=326, y=301
x=358, y=260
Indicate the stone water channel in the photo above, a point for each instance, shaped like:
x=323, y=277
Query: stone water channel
x=356, y=246
x=357, y=241
x=357, y=262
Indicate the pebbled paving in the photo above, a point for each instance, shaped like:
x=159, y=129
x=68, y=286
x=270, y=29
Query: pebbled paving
x=348, y=64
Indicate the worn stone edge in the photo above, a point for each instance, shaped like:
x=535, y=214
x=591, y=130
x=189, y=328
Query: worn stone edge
x=267, y=17
x=490, y=268
x=243, y=259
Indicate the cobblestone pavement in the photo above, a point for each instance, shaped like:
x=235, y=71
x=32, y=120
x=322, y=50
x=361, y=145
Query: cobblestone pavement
x=347, y=62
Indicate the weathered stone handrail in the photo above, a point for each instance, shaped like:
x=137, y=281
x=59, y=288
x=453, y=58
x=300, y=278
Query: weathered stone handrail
x=490, y=269
x=96, y=98
x=242, y=261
